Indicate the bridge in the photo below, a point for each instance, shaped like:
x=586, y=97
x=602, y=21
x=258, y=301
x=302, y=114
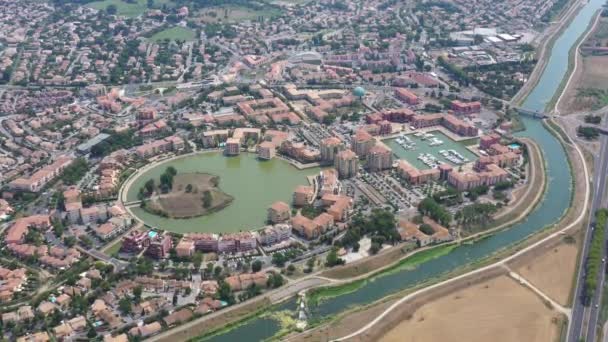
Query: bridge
x=131, y=203
x=531, y=113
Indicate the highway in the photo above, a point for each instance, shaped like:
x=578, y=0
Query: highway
x=583, y=324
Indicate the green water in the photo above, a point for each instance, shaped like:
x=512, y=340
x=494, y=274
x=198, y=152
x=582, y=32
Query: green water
x=422, y=146
x=253, y=183
x=554, y=204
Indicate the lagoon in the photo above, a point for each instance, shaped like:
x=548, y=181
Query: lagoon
x=255, y=184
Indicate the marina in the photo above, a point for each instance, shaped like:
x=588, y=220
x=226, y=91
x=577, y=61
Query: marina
x=429, y=150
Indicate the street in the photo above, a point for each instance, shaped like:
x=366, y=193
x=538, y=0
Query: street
x=582, y=314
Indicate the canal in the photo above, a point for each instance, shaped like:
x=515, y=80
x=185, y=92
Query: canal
x=552, y=207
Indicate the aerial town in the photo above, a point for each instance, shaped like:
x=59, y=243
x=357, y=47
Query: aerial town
x=176, y=170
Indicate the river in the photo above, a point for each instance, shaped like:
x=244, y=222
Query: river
x=553, y=205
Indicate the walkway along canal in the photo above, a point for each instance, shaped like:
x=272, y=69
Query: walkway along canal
x=552, y=207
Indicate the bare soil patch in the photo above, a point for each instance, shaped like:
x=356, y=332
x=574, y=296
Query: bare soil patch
x=186, y=199
x=496, y=310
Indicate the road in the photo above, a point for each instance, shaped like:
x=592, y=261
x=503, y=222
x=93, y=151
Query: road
x=580, y=312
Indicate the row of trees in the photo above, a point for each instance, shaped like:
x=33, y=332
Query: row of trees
x=594, y=259
x=476, y=213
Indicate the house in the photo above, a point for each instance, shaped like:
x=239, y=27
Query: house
x=146, y=330
x=178, y=317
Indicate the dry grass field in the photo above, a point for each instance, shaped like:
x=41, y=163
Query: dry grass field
x=496, y=310
x=553, y=271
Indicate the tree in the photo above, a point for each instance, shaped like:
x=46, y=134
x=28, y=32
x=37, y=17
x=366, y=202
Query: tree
x=209, y=269
x=217, y=271
x=60, y=201
x=275, y=280
x=171, y=171
x=207, y=199
x=310, y=264
x=374, y=248
x=429, y=207
x=225, y=292
x=58, y=228
x=124, y=305
x=426, y=229
x=175, y=298
x=256, y=266
x=332, y=258
x=111, y=9
x=137, y=291
x=149, y=186
x=197, y=260
x=91, y=333
x=278, y=259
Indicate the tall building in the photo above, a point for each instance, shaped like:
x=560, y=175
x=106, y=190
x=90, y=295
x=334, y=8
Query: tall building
x=279, y=212
x=379, y=158
x=266, y=150
x=347, y=163
x=159, y=247
x=233, y=147
x=362, y=143
x=329, y=148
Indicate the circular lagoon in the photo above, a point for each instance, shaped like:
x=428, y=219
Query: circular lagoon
x=254, y=184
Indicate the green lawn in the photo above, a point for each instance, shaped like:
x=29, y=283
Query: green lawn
x=174, y=33
x=127, y=9
x=234, y=14
x=113, y=250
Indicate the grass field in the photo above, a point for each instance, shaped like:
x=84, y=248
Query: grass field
x=127, y=9
x=174, y=33
x=234, y=14
x=496, y=310
x=114, y=249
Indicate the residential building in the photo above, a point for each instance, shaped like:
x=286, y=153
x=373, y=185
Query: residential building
x=347, y=163
x=379, y=158
x=279, y=212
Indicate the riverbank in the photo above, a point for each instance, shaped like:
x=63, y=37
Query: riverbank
x=573, y=64
x=589, y=72
x=547, y=39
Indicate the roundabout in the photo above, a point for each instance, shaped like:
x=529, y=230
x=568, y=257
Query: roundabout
x=253, y=184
